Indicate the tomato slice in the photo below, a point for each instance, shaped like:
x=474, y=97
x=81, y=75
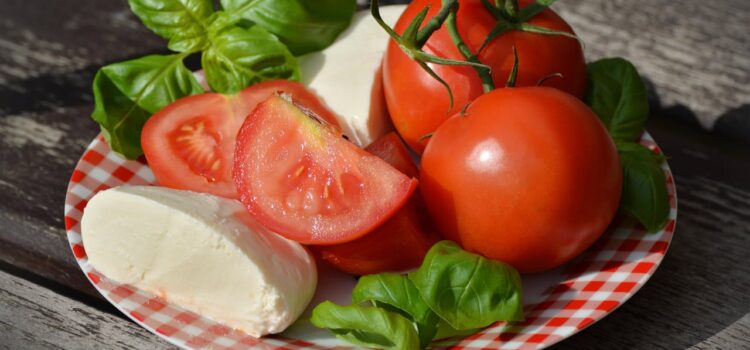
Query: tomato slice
x=303, y=180
x=401, y=242
x=189, y=144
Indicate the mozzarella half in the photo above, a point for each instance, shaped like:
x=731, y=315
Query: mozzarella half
x=201, y=252
x=346, y=75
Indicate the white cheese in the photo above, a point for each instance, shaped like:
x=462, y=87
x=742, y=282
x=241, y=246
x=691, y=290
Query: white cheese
x=346, y=76
x=201, y=252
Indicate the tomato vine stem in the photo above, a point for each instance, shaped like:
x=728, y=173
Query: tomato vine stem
x=514, y=71
x=510, y=16
x=411, y=44
x=484, y=72
x=448, y=6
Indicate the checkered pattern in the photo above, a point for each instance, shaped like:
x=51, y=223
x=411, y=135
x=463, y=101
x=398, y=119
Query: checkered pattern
x=594, y=284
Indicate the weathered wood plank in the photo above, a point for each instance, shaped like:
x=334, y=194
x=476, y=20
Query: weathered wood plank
x=49, y=52
x=730, y=337
x=695, y=53
x=33, y=317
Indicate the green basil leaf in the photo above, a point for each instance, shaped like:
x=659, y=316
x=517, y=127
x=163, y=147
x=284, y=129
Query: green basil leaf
x=111, y=106
x=644, y=191
x=468, y=290
x=444, y=330
x=618, y=96
x=127, y=93
x=240, y=57
x=371, y=327
x=304, y=26
x=398, y=293
x=182, y=22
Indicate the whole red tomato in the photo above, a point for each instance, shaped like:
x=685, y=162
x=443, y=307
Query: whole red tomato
x=528, y=176
x=408, y=87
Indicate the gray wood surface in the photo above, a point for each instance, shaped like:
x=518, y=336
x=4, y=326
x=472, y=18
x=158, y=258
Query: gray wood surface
x=696, y=55
x=33, y=317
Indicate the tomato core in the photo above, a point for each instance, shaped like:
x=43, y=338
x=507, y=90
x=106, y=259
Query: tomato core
x=199, y=148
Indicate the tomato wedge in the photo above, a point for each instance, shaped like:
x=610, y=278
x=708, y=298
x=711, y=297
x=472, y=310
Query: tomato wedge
x=400, y=243
x=302, y=179
x=189, y=144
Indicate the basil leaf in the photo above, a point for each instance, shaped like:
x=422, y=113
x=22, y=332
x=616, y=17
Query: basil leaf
x=444, y=330
x=241, y=57
x=618, y=96
x=127, y=93
x=304, y=26
x=468, y=290
x=182, y=22
x=111, y=106
x=644, y=192
x=398, y=293
x=366, y=326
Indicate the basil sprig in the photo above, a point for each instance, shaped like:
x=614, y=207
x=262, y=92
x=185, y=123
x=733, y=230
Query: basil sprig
x=235, y=53
x=618, y=96
x=303, y=25
x=397, y=293
x=182, y=22
x=468, y=290
x=644, y=188
x=240, y=57
x=454, y=292
x=371, y=327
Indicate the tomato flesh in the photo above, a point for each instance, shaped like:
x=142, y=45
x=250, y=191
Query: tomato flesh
x=400, y=243
x=302, y=179
x=189, y=144
x=407, y=86
x=528, y=176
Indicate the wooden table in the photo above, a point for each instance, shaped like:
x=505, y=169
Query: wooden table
x=696, y=55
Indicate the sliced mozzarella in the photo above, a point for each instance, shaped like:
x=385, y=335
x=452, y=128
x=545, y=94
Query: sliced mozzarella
x=201, y=252
x=347, y=76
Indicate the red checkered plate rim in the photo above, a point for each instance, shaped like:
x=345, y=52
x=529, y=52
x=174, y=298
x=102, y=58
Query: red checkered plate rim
x=558, y=303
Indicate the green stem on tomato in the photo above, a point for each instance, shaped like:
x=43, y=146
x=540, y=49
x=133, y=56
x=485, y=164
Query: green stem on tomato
x=511, y=8
x=435, y=22
x=513, y=72
x=483, y=71
x=410, y=45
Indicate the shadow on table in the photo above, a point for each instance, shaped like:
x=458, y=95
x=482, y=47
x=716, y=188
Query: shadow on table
x=733, y=124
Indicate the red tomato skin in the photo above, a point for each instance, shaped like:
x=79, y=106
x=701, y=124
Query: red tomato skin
x=528, y=176
x=408, y=87
x=351, y=192
x=391, y=149
x=400, y=243
x=222, y=116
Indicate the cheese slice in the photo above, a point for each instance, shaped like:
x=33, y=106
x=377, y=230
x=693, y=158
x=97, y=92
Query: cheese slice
x=346, y=75
x=201, y=252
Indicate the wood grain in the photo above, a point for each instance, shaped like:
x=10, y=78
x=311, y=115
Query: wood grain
x=49, y=52
x=32, y=317
x=695, y=53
